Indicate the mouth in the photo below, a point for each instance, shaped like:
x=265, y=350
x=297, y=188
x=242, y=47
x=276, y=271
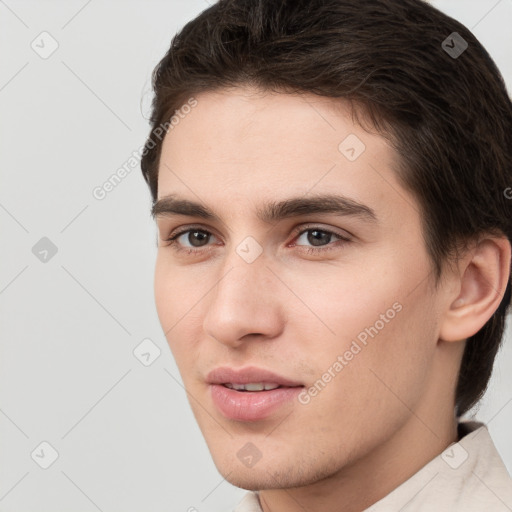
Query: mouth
x=252, y=387
x=251, y=394
x=250, y=378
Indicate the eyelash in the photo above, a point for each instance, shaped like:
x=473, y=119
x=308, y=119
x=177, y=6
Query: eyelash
x=173, y=243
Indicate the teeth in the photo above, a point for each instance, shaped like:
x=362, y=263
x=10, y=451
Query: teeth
x=256, y=386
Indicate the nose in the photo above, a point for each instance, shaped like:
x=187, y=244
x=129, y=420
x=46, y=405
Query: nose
x=244, y=303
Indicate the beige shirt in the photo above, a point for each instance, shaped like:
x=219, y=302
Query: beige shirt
x=469, y=476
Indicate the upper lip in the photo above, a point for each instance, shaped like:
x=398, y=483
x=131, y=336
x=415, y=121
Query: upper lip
x=248, y=375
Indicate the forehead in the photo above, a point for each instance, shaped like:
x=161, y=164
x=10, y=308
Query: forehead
x=260, y=125
x=238, y=145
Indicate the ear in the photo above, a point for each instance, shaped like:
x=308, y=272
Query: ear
x=481, y=283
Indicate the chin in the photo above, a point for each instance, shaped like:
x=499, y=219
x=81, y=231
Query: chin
x=257, y=481
x=273, y=474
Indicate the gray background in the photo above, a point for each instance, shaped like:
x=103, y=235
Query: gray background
x=125, y=436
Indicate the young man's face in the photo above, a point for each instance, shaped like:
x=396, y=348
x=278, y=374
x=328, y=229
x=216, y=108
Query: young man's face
x=353, y=324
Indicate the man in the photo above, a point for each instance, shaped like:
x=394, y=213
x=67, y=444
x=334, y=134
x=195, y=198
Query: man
x=330, y=183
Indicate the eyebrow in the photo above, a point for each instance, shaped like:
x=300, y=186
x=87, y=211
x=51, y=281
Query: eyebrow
x=272, y=211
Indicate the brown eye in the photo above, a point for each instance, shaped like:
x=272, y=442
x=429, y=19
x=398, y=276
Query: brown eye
x=318, y=239
x=196, y=237
x=190, y=240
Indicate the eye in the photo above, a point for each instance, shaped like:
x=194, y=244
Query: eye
x=319, y=238
x=195, y=240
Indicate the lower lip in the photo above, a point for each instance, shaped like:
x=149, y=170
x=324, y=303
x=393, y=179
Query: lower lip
x=251, y=405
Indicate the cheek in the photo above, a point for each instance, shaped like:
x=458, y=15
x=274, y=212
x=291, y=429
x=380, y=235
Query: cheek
x=343, y=304
x=366, y=326
x=176, y=299
x=163, y=287
x=177, y=289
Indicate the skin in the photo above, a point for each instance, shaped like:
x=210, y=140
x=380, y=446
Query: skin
x=391, y=409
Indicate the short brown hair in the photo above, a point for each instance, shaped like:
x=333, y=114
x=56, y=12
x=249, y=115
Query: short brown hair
x=448, y=116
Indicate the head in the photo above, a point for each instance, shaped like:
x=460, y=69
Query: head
x=358, y=100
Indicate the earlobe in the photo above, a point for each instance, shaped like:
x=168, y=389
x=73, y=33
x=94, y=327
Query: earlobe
x=484, y=275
